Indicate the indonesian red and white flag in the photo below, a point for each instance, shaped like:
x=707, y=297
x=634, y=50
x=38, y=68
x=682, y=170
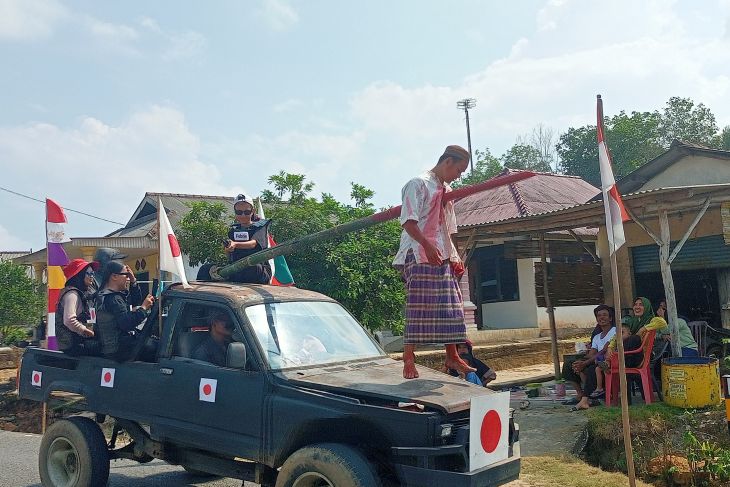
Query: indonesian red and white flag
x=613, y=205
x=170, y=255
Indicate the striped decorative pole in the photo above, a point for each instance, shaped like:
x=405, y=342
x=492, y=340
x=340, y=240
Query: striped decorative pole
x=56, y=258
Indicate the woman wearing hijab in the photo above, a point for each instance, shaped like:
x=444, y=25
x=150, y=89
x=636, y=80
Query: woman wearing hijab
x=73, y=313
x=644, y=319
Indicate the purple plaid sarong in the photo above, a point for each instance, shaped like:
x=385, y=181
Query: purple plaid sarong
x=434, y=306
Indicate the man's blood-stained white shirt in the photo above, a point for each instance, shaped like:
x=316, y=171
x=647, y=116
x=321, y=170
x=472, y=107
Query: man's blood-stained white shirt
x=423, y=202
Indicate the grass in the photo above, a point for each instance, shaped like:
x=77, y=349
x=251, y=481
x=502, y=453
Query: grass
x=605, y=422
x=568, y=472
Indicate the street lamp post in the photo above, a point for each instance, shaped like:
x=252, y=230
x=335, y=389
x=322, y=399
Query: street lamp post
x=465, y=105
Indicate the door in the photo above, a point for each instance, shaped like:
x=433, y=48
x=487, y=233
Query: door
x=207, y=405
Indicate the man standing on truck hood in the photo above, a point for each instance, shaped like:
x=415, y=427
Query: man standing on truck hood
x=115, y=323
x=430, y=264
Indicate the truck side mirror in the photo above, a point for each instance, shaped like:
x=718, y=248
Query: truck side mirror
x=236, y=355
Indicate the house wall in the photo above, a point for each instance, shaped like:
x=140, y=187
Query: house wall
x=703, y=170
x=515, y=314
x=711, y=224
x=567, y=317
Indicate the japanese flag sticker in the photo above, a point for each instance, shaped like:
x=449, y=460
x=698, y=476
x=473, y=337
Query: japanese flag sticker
x=488, y=430
x=206, y=390
x=107, y=377
x=35, y=379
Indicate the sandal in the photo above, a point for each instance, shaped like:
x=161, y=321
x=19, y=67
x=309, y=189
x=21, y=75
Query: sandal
x=597, y=394
x=570, y=402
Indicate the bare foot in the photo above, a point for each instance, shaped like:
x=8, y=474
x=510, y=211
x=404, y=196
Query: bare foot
x=459, y=365
x=409, y=369
x=409, y=362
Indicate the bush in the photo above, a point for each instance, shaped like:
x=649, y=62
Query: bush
x=11, y=334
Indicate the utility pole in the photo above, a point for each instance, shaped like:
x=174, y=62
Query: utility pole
x=465, y=105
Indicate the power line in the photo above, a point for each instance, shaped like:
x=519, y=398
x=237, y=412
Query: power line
x=65, y=209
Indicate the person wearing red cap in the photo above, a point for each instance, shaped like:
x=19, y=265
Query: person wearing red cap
x=73, y=313
x=430, y=264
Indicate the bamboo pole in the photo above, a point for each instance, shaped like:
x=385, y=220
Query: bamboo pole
x=550, y=310
x=297, y=244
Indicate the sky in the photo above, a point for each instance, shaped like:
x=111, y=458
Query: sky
x=101, y=102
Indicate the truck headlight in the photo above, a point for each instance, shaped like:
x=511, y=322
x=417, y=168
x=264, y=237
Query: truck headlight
x=446, y=430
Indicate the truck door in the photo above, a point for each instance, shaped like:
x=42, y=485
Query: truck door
x=204, y=404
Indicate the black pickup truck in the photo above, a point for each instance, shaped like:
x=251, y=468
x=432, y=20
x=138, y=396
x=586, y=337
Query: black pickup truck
x=306, y=398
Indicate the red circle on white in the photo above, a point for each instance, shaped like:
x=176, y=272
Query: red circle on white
x=207, y=389
x=491, y=431
x=36, y=377
x=107, y=377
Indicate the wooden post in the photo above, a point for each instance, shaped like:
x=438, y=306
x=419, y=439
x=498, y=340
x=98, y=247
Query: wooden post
x=550, y=310
x=665, y=266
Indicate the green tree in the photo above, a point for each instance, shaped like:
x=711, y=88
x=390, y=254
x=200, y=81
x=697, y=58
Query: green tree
x=360, y=195
x=486, y=167
x=525, y=156
x=22, y=300
x=293, y=184
x=725, y=138
x=689, y=123
x=202, y=231
x=632, y=140
x=354, y=269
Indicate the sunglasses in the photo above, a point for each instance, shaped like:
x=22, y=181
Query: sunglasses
x=89, y=272
x=243, y=212
x=129, y=276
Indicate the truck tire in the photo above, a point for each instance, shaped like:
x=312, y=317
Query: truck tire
x=73, y=453
x=327, y=464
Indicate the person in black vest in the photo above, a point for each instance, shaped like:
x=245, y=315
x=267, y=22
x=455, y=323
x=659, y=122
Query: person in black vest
x=73, y=313
x=115, y=322
x=246, y=236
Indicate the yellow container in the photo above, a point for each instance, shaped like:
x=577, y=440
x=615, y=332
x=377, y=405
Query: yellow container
x=691, y=382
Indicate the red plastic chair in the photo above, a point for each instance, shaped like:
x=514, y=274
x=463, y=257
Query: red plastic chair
x=643, y=370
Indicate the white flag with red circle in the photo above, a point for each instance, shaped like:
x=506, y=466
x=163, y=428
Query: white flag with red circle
x=170, y=256
x=488, y=430
x=35, y=379
x=206, y=390
x=107, y=377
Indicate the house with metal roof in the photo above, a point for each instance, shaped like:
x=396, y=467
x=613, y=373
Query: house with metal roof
x=500, y=285
x=678, y=238
x=137, y=239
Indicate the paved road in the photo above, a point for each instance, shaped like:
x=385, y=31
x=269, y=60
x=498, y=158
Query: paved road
x=19, y=468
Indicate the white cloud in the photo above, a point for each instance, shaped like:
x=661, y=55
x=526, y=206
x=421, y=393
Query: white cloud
x=278, y=14
x=105, y=169
x=176, y=45
x=287, y=105
x=548, y=16
x=8, y=241
x=26, y=20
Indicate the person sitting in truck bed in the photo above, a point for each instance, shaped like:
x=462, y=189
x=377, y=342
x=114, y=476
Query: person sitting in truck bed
x=73, y=313
x=114, y=321
x=214, y=348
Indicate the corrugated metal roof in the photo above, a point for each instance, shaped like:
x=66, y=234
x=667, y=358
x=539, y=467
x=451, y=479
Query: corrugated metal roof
x=594, y=203
x=544, y=192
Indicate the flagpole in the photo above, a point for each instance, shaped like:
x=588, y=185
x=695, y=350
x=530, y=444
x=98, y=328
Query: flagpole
x=628, y=447
x=159, y=270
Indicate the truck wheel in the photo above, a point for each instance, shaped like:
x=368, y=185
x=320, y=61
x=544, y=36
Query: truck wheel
x=327, y=465
x=73, y=453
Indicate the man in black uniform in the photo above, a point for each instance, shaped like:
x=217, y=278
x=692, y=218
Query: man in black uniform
x=115, y=323
x=215, y=347
x=246, y=236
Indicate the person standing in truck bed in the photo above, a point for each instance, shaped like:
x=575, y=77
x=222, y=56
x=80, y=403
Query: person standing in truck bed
x=430, y=264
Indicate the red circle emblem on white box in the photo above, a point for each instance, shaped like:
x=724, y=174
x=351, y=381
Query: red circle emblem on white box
x=207, y=389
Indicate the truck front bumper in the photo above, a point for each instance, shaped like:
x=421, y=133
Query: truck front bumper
x=422, y=476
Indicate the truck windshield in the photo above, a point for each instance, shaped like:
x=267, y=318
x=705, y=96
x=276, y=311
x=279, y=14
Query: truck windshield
x=309, y=333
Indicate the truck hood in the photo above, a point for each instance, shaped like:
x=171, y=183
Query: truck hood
x=383, y=379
